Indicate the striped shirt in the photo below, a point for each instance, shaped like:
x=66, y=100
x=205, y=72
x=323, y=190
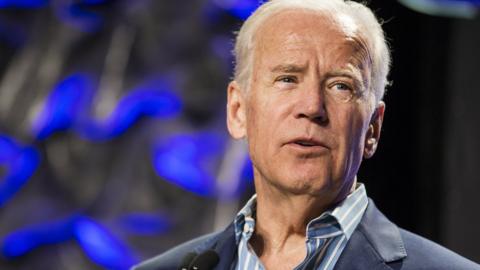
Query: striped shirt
x=326, y=235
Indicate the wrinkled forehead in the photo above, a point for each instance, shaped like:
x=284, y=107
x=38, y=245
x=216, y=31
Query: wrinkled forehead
x=337, y=37
x=294, y=25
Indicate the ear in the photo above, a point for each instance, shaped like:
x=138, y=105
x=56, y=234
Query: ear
x=236, y=111
x=374, y=129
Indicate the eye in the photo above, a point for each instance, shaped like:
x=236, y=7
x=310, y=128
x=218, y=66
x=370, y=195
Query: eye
x=341, y=91
x=287, y=79
x=342, y=87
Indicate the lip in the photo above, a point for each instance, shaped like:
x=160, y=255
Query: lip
x=307, y=144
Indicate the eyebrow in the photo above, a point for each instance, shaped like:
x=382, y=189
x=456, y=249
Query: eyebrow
x=289, y=68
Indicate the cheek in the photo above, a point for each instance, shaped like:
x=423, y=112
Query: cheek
x=257, y=126
x=264, y=115
x=258, y=132
x=351, y=125
x=350, y=132
x=267, y=119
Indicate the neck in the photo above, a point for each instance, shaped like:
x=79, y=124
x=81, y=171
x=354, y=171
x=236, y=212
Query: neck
x=282, y=217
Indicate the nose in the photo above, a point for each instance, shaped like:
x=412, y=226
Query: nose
x=311, y=105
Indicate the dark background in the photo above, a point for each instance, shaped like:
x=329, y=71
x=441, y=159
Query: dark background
x=423, y=176
x=431, y=128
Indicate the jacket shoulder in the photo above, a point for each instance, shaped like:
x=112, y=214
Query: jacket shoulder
x=430, y=255
x=173, y=257
x=377, y=243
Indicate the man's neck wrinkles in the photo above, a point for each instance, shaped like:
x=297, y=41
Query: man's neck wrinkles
x=282, y=214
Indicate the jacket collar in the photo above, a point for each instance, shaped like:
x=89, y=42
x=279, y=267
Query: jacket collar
x=375, y=243
x=226, y=248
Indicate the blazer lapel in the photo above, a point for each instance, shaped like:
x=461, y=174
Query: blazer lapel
x=375, y=243
x=226, y=248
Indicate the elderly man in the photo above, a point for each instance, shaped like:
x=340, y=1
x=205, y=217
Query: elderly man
x=309, y=80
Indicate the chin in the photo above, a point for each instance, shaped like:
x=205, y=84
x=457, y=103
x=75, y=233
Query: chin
x=308, y=184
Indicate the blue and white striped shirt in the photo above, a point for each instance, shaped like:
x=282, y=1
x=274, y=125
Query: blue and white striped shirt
x=326, y=235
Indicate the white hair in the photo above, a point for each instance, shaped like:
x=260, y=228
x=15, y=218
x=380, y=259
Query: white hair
x=370, y=27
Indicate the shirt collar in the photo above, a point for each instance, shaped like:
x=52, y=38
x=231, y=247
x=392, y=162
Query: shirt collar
x=343, y=218
x=247, y=212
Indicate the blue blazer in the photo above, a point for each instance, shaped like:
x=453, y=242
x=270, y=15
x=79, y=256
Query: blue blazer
x=376, y=244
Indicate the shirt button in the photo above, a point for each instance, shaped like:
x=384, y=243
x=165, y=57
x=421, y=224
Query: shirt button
x=247, y=228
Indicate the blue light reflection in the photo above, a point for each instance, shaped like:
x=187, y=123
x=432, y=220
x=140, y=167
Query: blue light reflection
x=101, y=246
x=96, y=240
x=22, y=3
x=186, y=161
x=19, y=162
x=241, y=9
x=69, y=104
x=139, y=103
x=77, y=15
x=25, y=240
x=144, y=223
x=65, y=104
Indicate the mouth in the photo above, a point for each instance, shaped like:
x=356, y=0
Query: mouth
x=307, y=144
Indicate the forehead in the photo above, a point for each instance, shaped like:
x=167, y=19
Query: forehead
x=297, y=33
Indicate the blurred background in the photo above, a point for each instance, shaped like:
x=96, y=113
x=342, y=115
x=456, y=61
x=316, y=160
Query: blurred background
x=113, y=145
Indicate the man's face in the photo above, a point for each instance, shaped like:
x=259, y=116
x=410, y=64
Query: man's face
x=307, y=113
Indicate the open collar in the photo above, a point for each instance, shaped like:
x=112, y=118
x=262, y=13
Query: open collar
x=374, y=244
